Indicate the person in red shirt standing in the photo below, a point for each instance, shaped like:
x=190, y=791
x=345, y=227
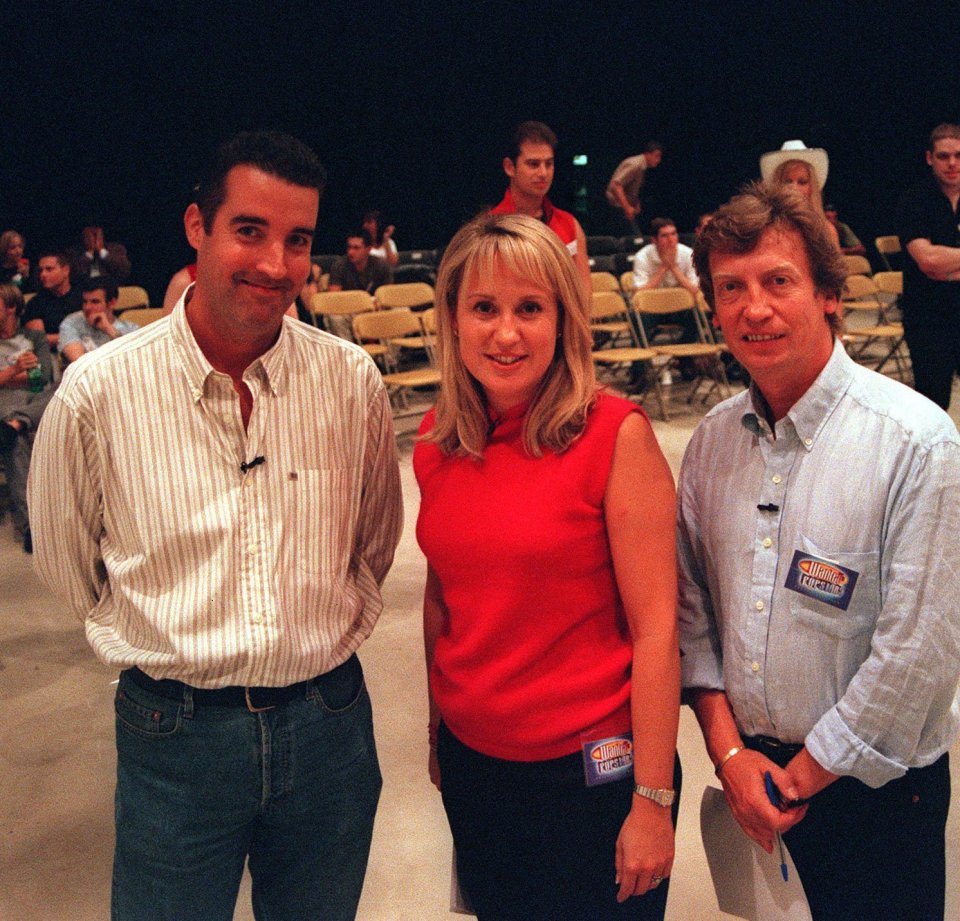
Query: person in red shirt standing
x=550, y=603
x=530, y=165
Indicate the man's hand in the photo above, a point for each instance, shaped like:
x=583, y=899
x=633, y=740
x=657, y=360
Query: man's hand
x=26, y=360
x=102, y=322
x=743, y=785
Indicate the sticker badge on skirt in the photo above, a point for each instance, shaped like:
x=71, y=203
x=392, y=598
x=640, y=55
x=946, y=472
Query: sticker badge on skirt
x=606, y=760
x=823, y=580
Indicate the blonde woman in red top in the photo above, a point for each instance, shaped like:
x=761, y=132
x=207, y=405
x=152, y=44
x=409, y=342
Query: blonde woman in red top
x=547, y=520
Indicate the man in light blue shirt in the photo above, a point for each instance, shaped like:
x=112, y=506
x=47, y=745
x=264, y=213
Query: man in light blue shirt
x=820, y=577
x=95, y=325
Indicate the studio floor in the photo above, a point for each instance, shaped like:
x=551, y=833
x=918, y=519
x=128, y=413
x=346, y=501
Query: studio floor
x=57, y=757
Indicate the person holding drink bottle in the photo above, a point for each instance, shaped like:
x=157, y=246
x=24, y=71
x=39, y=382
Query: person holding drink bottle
x=26, y=371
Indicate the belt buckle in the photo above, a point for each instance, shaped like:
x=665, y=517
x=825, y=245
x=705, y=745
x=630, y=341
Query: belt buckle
x=250, y=706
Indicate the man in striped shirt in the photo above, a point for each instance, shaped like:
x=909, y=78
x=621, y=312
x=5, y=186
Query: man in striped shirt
x=223, y=530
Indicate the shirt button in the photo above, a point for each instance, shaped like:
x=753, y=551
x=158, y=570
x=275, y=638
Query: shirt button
x=808, y=441
x=759, y=605
x=755, y=667
x=257, y=618
x=767, y=542
x=777, y=478
x=251, y=548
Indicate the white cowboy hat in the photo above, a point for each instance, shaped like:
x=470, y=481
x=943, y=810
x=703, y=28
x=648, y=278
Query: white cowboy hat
x=796, y=150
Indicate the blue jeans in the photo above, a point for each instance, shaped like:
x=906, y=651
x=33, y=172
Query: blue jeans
x=201, y=789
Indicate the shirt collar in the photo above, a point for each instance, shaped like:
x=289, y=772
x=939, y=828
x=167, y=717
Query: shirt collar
x=811, y=412
x=272, y=365
x=546, y=205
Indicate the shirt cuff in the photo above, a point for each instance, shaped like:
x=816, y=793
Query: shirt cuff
x=834, y=747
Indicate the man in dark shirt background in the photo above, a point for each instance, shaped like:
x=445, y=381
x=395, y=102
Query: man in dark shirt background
x=928, y=231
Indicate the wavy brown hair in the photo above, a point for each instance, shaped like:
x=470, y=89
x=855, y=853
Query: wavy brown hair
x=737, y=226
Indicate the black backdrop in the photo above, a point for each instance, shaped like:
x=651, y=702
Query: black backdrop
x=107, y=109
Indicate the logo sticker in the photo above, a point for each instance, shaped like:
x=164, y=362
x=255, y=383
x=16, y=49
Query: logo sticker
x=822, y=580
x=606, y=760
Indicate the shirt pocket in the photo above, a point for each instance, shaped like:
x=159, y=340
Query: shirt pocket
x=864, y=607
x=321, y=517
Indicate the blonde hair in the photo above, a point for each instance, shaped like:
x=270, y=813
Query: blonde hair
x=816, y=193
x=558, y=412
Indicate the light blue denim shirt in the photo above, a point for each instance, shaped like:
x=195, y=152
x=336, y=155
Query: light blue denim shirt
x=863, y=473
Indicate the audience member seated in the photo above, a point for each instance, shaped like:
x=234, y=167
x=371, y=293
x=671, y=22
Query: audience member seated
x=26, y=371
x=665, y=263
x=802, y=167
x=56, y=298
x=850, y=244
x=99, y=258
x=382, y=237
x=14, y=266
x=179, y=282
x=702, y=222
x=95, y=324
x=359, y=270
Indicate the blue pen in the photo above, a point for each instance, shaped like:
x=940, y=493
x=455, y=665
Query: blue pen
x=776, y=799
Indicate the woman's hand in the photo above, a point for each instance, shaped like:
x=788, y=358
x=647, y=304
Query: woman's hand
x=644, y=848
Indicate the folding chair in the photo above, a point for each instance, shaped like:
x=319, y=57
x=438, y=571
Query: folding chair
x=707, y=355
x=858, y=265
x=610, y=317
x=888, y=246
x=861, y=294
x=626, y=283
x=414, y=295
x=385, y=327
x=143, y=316
x=130, y=296
x=603, y=281
x=603, y=246
x=334, y=308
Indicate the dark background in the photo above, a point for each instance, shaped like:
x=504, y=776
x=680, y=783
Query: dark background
x=108, y=109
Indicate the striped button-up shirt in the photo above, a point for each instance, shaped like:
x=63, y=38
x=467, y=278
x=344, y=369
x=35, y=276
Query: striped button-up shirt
x=176, y=559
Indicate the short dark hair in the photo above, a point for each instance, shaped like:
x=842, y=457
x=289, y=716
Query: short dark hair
x=272, y=152
x=537, y=132
x=62, y=257
x=12, y=296
x=105, y=283
x=658, y=223
x=652, y=146
x=738, y=225
x=943, y=130
x=361, y=234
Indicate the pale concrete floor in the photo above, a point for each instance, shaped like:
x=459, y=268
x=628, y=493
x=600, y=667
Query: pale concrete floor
x=57, y=757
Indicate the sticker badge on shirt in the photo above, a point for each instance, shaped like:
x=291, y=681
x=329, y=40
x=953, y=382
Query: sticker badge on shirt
x=606, y=760
x=822, y=580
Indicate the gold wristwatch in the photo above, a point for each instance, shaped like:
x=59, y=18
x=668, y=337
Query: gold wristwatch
x=660, y=797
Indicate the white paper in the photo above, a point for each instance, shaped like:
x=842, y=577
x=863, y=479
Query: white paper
x=746, y=878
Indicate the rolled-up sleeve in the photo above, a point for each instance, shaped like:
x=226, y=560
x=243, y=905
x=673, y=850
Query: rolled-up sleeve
x=904, y=695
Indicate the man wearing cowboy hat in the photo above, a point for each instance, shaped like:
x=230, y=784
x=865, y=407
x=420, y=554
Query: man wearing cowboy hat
x=928, y=230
